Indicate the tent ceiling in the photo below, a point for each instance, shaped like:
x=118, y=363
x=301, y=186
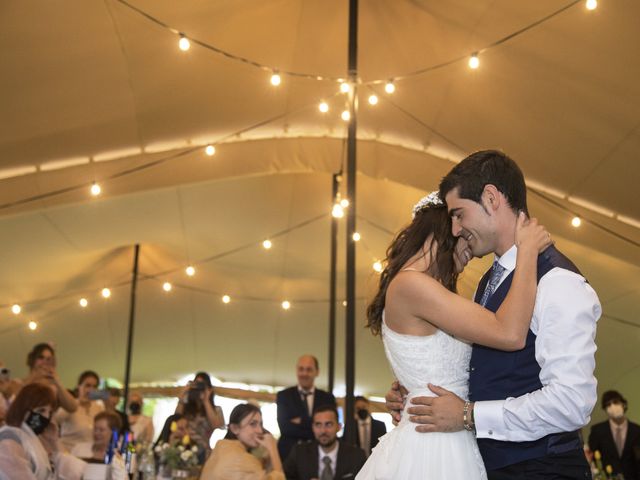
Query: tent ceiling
x=98, y=86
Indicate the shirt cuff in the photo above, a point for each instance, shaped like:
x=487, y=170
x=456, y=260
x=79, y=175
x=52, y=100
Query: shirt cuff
x=489, y=419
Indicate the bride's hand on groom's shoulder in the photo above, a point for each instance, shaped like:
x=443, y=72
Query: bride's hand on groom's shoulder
x=442, y=413
x=530, y=234
x=394, y=401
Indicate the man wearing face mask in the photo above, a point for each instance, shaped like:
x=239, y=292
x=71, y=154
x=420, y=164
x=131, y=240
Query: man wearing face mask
x=140, y=425
x=369, y=430
x=618, y=439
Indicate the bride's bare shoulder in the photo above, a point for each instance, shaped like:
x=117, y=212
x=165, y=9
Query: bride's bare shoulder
x=412, y=282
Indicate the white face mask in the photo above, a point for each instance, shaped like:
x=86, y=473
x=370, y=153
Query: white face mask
x=615, y=411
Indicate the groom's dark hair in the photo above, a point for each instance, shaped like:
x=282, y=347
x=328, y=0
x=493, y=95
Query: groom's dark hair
x=486, y=167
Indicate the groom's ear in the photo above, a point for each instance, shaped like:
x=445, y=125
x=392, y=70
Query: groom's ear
x=491, y=197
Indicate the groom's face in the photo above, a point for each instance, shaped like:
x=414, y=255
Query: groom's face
x=471, y=220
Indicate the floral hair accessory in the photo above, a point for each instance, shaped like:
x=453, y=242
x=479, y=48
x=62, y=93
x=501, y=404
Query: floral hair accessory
x=431, y=200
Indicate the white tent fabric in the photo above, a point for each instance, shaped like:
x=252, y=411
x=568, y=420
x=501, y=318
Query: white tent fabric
x=95, y=91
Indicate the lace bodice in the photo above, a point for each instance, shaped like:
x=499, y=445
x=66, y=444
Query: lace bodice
x=418, y=360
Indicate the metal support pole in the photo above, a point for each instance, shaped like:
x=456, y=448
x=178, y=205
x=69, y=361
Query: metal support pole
x=349, y=434
x=132, y=318
x=332, y=288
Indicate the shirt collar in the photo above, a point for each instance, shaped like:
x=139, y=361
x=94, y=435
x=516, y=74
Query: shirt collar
x=302, y=390
x=333, y=455
x=508, y=259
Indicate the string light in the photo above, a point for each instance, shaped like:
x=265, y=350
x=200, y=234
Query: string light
x=226, y=299
x=190, y=270
x=323, y=107
x=377, y=266
x=83, y=302
x=344, y=203
x=210, y=150
x=344, y=303
x=275, y=79
x=95, y=189
x=286, y=305
x=356, y=237
x=184, y=43
x=337, y=211
x=345, y=87
x=576, y=222
x=32, y=325
x=16, y=309
x=166, y=286
x=592, y=4
x=389, y=87
x=474, y=61
x=106, y=293
x=267, y=244
x=373, y=99
x=346, y=116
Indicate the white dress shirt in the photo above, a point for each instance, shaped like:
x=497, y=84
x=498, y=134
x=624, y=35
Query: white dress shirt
x=564, y=322
x=364, y=434
x=333, y=456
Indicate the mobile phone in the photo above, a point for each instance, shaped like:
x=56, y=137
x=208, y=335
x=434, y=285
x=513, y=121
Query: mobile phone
x=99, y=395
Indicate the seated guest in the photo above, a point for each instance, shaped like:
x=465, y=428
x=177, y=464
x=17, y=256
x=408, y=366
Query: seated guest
x=103, y=425
x=111, y=404
x=140, y=425
x=369, y=430
x=198, y=406
x=231, y=460
x=175, y=428
x=29, y=447
x=325, y=457
x=42, y=368
x=617, y=439
x=77, y=427
x=296, y=403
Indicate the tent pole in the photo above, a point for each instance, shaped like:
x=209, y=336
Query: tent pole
x=132, y=310
x=351, y=224
x=332, y=287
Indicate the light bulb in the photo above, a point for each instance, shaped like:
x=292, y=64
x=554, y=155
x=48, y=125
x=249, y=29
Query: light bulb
x=592, y=4
x=267, y=244
x=377, y=266
x=184, y=43
x=32, y=325
x=576, y=221
x=344, y=203
x=83, y=302
x=474, y=61
x=344, y=87
x=276, y=80
x=166, y=286
x=106, y=293
x=190, y=271
x=373, y=99
x=337, y=211
x=16, y=309
x=226, y=299
x=323, y=107
x=389, y=87
x=95, y=189
x=286, y=305
x=344, y=303
x=346, y=116
x=356, y=237
x=210, y=150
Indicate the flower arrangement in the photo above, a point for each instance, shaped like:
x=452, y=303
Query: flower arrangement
x=600, y=473
x=178, y=454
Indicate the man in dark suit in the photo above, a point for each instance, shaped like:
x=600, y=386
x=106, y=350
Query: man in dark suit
x=295, y=405
x=325, y=458
x=618, y=439
x=369, y=430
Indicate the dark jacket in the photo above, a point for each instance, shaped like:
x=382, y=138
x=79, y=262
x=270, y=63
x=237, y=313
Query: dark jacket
x=290, y=405
x=601, y=439
x=303, y=462
x=378, y=429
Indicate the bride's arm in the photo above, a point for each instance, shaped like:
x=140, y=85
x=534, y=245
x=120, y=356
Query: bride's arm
x=507, y=328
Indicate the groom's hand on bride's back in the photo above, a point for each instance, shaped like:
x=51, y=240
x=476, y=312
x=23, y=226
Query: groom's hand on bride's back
x=442, y=413
x=394, y=401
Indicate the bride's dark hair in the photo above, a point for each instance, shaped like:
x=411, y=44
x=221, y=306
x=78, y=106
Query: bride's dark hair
x=430, y=220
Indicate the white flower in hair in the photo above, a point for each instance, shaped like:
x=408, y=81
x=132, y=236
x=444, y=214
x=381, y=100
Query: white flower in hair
x=431, y=200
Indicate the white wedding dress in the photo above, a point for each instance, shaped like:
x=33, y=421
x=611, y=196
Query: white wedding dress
x=403, y=453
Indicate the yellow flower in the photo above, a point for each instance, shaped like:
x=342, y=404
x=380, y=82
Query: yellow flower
x=186, y=440
x=174, y=426
x=609, y=469
x=597, y=455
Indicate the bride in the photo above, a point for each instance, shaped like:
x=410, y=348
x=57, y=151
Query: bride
x=426, y=330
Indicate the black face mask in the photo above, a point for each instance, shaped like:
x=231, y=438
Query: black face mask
x=37, y=422
x=135, y=408
x=363, y=413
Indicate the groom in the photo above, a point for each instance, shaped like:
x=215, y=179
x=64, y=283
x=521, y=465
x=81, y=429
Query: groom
x=525, y=407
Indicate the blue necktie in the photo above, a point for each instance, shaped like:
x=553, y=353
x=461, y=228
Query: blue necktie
x=496, y=274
